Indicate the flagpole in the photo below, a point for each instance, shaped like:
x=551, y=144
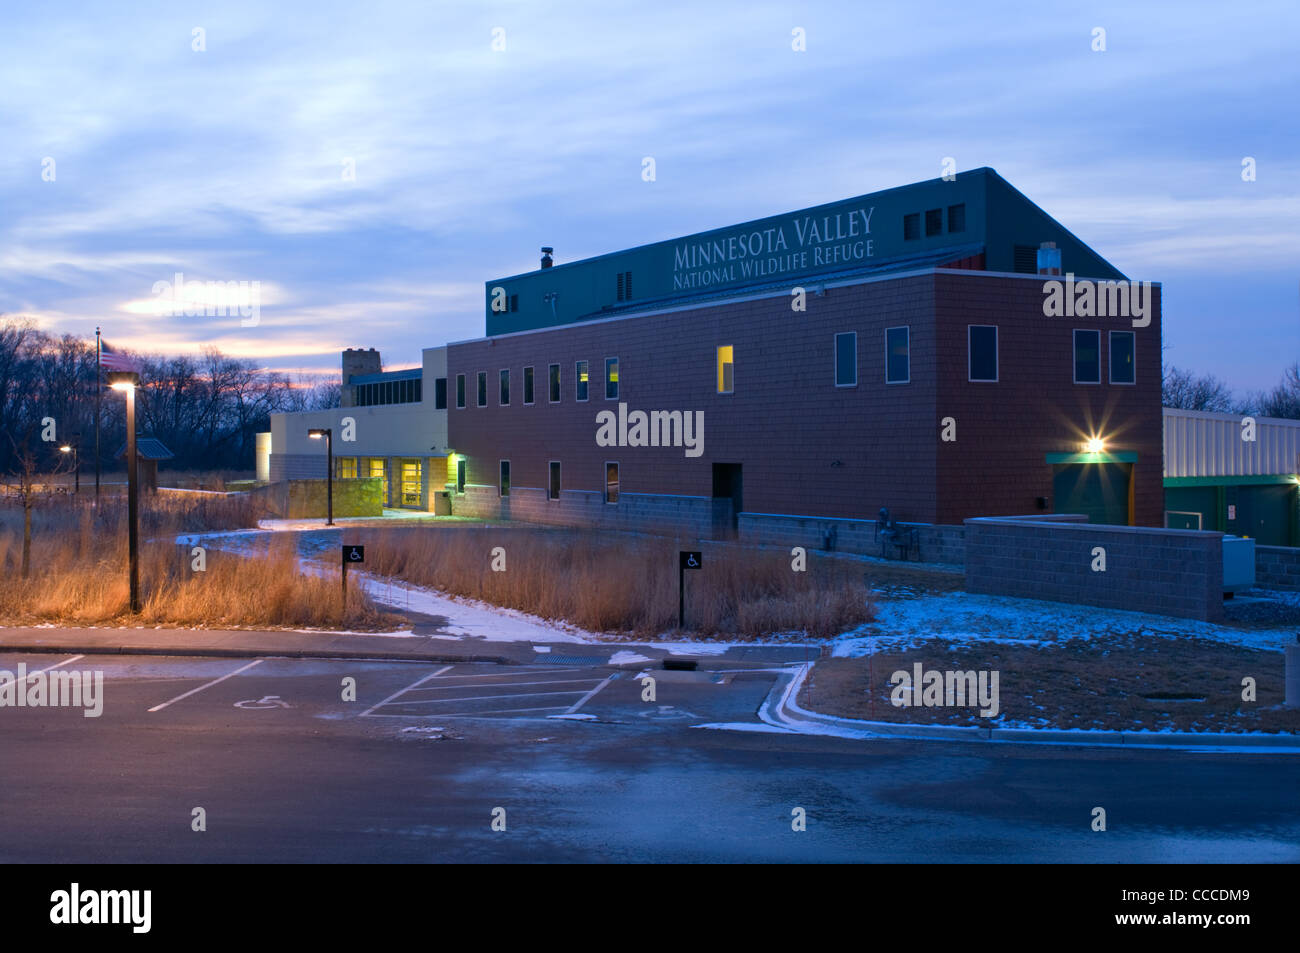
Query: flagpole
x=99, y=390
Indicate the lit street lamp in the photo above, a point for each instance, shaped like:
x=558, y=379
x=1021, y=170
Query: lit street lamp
x=126, y=382
x=316, y=433
x=74, y=447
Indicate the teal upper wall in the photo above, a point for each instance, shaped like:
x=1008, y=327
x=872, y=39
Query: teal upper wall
x=977, y=211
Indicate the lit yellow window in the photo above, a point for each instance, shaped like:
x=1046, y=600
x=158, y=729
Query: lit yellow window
x=726, y=381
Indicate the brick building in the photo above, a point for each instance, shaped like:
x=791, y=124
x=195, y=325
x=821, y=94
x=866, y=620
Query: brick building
x=899, y=349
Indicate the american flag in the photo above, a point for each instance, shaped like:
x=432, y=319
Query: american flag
x=112, y=360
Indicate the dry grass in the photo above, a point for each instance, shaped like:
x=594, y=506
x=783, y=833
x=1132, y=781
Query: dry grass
x=79, y=561
x=1077, y=683
x=626, y=584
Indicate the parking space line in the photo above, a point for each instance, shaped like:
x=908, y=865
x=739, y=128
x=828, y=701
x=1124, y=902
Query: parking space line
x=513, y=674
x=547, y=681
x=66, y=661
x=395, y=694
x=479, y=698
x=473, y=714
x=587, y=697
x=195, y=691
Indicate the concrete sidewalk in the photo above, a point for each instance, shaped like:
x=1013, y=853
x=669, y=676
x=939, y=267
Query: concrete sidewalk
x=283, y=643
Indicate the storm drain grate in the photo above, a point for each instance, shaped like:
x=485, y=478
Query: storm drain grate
x=572, y=659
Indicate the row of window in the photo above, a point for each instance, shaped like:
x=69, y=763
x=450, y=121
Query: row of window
x=554, y=384
x=934, y=222
x=982, y=365
x=552, y=480
x=391, y=392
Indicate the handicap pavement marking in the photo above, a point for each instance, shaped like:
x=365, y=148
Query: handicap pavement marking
x=195, y=691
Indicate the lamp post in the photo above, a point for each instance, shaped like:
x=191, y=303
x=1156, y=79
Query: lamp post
x=316, y=433
x=126, y=382
x=73, y=447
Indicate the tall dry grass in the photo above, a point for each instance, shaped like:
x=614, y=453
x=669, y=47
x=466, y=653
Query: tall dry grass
x=626, y=584
x=79, y=571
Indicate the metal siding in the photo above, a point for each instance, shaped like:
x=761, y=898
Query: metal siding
x=1202, y=444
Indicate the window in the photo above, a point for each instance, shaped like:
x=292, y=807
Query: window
x=504, y=397
x=957, y=218
x=1087, y=357
x=553, y=376
x=983, y=357
x=378, y=467
x=1025, y=259
x=726, y=374
x=933, y=221
x=611, y=482
x=1122, y=363
x=503, y=486
x=347, y=468
x=898, y=356
x=460, y=391
x=528, y=385
x=911, y=226
x=611, y=378
x=460, y=474
x=846, y=359
x=580, y=380
x=514, y=302
x=553, y=486
x=440, y=393
x=482, y=388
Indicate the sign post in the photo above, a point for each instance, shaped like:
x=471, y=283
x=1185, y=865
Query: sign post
x=351, y=554
x=686, y=559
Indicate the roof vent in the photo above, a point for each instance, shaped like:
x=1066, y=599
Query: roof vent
x=547, y=250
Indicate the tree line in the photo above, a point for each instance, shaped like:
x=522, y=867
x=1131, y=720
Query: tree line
x=205, y=407
x=1187, y=390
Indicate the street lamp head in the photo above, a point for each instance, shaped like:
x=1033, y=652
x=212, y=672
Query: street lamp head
x=123, y=380
x=65, y=449
x=317, y=432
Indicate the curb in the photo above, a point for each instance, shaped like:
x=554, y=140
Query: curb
x=780, y=709
x=251, y=653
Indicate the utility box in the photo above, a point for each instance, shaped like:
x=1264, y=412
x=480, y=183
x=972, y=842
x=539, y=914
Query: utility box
x=1238, y=563
x=441, y=503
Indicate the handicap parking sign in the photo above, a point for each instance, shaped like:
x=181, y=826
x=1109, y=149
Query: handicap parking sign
x=354, y=554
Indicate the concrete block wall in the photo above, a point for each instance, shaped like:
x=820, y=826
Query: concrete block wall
x=1277, y=567
x=1166, y=571
x=938, y=544
x=634, y=512
x=306, y=499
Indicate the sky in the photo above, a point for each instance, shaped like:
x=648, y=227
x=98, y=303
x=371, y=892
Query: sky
x=370, y=165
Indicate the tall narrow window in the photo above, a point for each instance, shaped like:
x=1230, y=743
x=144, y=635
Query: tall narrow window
x=1122, y=358
x=846, y=359
x=503, y=486
x=504, y=396
x=553, y=485
x=957, y=218
x=440, y=393
x=611, y=378
x=933, y=221
x=898, y=355
x=580, y=382
x=726, y=373
x=1087, y=357
x=528, y=385
x=554, y=383
x=482, y=388
x=983, y=352
x=460, y=474
x=911, y=226
x=460, y=391
x=611, y=482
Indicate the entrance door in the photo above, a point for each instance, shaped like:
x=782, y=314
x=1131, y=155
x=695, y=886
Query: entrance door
x=727, y=485
x=1098, y=490
x=412, y=483
x=1264, y=512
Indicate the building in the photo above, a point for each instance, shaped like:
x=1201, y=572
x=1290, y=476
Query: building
x=898, y=350
x=392, y=425
x=1234, y=474
x=149, y=451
